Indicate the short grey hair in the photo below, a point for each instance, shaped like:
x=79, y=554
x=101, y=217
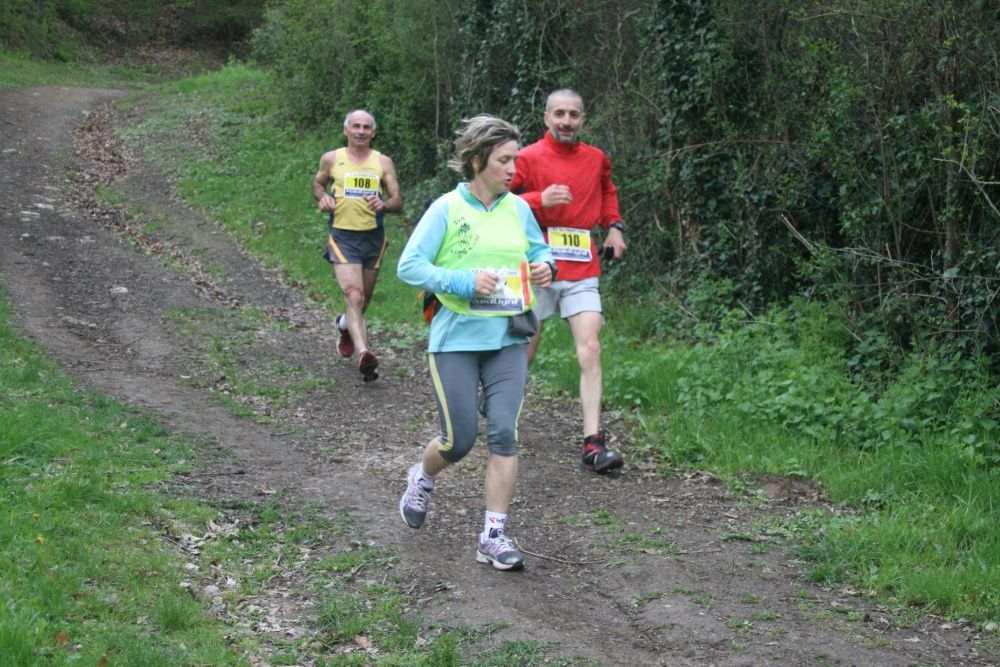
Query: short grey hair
x=347, y=118
x=563, y=92
x=476, y=138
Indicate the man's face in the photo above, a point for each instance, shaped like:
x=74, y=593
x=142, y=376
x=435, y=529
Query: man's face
x=360, y=129
x=564, y=119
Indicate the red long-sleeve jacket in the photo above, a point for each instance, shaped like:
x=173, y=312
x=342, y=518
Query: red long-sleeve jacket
x=587, y=172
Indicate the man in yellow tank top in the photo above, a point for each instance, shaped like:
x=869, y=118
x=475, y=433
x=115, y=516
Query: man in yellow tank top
x=357, y=186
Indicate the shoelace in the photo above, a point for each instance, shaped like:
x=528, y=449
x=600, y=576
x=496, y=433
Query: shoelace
x=419, y=498
x=501, y=543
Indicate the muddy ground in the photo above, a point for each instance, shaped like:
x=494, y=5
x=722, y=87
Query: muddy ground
x=126, y=311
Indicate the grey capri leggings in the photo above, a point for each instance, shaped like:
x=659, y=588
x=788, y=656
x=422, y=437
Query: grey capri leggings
x=457, y=377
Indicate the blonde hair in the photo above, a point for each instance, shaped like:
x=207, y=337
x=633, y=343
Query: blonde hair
x=476, y=138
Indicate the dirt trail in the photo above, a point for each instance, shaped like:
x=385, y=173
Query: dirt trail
x=105, y=308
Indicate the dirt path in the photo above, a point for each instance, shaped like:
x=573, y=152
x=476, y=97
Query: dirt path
x=631, y=570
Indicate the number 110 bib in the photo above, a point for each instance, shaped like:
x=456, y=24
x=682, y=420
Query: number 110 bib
x=569, y=244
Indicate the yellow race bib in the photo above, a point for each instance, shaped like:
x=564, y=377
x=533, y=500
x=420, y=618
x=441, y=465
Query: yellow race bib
x=569, y=244
x=358, y=185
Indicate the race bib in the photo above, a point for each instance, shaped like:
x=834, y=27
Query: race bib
x=511, y=294
x=359, y=185
x=569, y=244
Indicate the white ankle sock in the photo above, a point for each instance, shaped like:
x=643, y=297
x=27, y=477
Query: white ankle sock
x=425, y=480
x=493, y=520
x=342, y=322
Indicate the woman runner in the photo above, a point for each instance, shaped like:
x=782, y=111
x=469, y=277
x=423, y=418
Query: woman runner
x=479, y=250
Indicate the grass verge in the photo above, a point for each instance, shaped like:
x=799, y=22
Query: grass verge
x=17, y=69
x=86, y=573
x=912, y=468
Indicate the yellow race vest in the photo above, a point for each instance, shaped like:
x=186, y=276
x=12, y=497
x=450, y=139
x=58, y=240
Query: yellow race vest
x=351, y=183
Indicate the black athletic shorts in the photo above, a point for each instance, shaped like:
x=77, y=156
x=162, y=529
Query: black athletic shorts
x=345, y=246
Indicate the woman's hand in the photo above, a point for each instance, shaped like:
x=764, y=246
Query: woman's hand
x=541, y=274
x=486, y=282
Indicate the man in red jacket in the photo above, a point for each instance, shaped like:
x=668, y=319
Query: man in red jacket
x=568, y=185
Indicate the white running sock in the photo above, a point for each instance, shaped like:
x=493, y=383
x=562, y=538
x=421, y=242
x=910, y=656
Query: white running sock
x=494, y=521
x=342, y=322
x=425, y=480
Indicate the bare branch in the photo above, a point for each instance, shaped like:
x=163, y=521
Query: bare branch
x=796, y=233
x=975, y=181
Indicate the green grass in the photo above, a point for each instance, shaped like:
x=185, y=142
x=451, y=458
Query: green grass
x=645, y=598
x=81, y=555
x=697, y=597
x=225, y=341
x=19, y=70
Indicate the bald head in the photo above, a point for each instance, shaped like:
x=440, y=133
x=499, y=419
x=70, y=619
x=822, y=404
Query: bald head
x=564, y=116
x=563, y=92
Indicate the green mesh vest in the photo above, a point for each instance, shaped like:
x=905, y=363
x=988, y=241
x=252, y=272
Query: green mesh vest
x=476, y=239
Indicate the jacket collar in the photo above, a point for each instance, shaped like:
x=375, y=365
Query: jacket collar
x=558, y=146
x=463, y=189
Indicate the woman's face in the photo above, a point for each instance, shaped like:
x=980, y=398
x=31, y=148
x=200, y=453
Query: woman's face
x=499, y=171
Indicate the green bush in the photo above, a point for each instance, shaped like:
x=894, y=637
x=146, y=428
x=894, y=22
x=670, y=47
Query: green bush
x=392, y=58
x=792, y=369
x=43, y=29
x=63, y=29
x=217, y=21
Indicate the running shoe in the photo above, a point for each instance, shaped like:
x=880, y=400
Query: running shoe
x=346, y=344
x=598, y=458
x=413, y=504
x=500, y=551
x=367, y=365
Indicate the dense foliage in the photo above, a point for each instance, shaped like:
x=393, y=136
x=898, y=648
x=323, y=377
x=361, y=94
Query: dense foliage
x=64, y=29
x=846, y=150
x=398, y=59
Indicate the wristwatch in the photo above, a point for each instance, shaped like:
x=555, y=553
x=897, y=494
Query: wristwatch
x=617, y=225
x=555, y=269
